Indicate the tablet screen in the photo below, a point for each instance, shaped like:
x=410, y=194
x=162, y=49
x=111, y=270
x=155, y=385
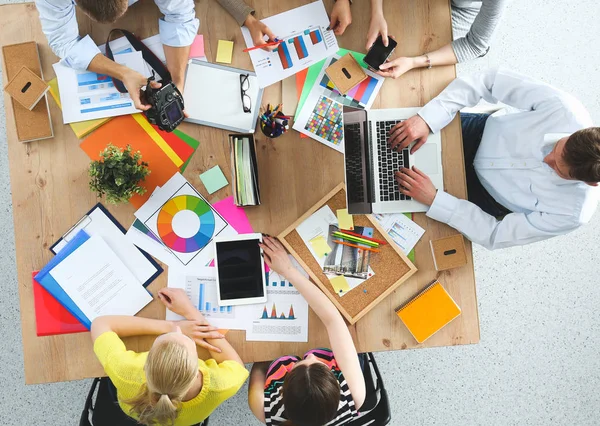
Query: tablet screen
x=240, y=269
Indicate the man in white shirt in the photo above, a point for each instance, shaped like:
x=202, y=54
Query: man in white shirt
x=531, y=174
x=178, y=27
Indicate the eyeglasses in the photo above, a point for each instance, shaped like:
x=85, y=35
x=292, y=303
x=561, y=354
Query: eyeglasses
x=244, y=86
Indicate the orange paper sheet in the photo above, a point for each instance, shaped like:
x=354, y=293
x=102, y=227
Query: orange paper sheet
x=122, y=131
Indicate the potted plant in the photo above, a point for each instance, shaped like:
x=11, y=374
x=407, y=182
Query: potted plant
x=118, y=173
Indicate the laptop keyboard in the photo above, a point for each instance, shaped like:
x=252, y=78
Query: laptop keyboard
x=389, y=163
x=352, y=142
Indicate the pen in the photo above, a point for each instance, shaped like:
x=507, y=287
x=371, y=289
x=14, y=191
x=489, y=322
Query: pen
x=355, y=246
x=260, y=46
x=355, y=239
x=362, y=236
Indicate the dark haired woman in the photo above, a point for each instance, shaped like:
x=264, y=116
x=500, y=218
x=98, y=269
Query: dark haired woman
x=325, y=387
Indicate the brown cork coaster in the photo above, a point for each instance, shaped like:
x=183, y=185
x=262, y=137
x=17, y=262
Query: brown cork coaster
x=27, y=88
x=391, y=266
x=448, y=252
x=34, y=124
x=346, y=73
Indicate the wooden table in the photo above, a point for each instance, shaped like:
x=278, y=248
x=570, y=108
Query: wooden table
x=50, y=184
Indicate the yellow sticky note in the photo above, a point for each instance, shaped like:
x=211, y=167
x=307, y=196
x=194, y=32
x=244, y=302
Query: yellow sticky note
x=320, y=246
x=224, y=51
x=345, y=220
x=339, y=284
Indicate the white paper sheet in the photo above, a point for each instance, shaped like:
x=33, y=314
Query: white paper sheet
x=98, y=282
x=200, y=284
x=318, y=225
x=97, y=223
x=306, y=41
x=121, y=45
x=135, y=61
x=284, y=318
x=403, y=231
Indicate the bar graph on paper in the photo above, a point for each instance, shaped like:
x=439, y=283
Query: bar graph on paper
x=296, y=47
x=207, y=305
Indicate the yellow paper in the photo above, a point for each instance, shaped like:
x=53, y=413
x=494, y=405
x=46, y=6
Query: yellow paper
x=224, y=51
x=320, y=246
x=345, y=220
x=339, y=284
x=158, y=139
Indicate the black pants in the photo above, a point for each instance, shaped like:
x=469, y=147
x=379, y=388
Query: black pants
x=472, y=131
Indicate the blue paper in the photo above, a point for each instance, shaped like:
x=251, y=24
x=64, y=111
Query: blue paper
x=49, y=283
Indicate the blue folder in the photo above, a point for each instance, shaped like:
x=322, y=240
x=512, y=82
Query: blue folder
x=49, y=283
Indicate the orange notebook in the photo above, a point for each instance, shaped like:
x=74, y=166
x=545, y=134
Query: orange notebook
x=428, y=312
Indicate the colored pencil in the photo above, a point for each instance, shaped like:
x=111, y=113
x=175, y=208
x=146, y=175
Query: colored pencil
x=363, y=236
x=260, y=46
x=355, y=239
x=355, y=246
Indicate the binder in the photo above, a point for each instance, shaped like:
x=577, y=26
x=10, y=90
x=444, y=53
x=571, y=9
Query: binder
x=244, y=169
x=428, y=312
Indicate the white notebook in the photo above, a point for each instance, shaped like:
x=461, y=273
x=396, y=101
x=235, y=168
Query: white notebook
x=212, y=97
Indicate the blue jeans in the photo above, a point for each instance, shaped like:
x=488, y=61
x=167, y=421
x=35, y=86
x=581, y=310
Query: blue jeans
x=472, y=131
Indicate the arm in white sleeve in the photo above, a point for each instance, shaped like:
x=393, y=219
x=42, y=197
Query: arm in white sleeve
x=59, y=24
x=494, y=85
x=514, y=229
x=179, y=26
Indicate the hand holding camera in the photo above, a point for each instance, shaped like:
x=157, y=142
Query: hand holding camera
x=163, y=104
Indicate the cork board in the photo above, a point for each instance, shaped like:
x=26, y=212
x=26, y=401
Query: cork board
x=448, y=252
x=35, y=124
x=391, y=265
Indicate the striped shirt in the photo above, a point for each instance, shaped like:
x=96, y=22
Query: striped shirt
x=274, y=409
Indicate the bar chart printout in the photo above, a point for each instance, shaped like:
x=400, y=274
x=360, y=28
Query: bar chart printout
x=284, y=56
x=300, y=46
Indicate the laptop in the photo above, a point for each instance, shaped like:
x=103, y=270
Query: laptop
x=370, y=164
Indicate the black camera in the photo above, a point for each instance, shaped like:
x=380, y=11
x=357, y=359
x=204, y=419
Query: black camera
x=166, y=102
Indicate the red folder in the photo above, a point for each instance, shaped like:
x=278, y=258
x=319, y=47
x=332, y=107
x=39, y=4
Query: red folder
x=50, y=316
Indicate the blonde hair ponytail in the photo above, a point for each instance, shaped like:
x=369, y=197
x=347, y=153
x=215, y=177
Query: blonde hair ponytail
x=170, y=373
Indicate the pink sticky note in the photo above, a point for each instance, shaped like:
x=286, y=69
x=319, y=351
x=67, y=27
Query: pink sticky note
x=197, y=48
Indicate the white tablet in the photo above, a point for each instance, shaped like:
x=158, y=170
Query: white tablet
x=240, y=270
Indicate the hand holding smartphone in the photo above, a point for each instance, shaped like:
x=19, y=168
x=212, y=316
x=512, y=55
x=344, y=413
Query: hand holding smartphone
x=379, y=53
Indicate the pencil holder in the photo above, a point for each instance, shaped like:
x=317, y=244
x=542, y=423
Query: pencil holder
x=273, y=123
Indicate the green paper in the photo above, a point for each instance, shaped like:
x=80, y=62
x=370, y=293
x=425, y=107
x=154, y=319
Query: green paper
x=213, y=179
x=410, y=255
x=315, y=69
x=190, y=141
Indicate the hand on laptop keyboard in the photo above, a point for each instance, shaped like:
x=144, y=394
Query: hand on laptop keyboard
x=415, y=129
x=416, y=184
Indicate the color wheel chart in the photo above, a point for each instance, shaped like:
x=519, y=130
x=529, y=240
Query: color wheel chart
x=298, y=43
x=359, y=96
x=326, y=121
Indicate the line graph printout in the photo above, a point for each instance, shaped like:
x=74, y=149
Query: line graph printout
x=306, y=41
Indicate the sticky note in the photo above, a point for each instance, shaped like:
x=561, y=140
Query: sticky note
x=339, y=283
x=197, y=47
x=224, y=51
x=345, y=220
x=213, y=179
x=320, y=246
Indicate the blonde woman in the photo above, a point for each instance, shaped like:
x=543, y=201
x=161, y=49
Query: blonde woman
x=168, y=385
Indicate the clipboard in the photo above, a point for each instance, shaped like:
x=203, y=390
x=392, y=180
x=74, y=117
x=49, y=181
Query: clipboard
x=144, y=267
x=213, y=97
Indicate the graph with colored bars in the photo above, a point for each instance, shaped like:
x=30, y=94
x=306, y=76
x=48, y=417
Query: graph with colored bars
x=274, y=316
x=326, y=121
x=211, y=309
x=357, y=97
x=298, y=43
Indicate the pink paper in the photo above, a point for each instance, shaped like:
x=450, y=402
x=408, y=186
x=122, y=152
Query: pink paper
x=197, y=48
x=236, y=216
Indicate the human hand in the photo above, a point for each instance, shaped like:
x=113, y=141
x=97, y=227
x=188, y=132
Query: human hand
x=397, y=67
x=258, y=31
x=276, y=256
x=341, y=17
x=200, y=330
x=133, y=82
x=415, y=129
x=177, y=301
x=416, y=185
x=378, y=26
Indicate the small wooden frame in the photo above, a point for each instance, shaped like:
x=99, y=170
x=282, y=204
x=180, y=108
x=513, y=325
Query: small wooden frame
x=391, y=266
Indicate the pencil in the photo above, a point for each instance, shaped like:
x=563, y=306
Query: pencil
x=355, y=239
x=355, y=246
x=260, y=46
x=362, y=236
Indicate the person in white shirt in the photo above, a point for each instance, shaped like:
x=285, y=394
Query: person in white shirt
x=531, y=175
x=178, y=28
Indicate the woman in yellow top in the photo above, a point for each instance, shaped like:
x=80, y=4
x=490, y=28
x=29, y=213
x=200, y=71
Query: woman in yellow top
x=168, y=385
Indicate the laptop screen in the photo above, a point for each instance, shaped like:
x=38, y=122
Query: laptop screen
x=356, y=161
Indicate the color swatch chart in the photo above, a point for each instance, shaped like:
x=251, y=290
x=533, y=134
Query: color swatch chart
x=326, y=121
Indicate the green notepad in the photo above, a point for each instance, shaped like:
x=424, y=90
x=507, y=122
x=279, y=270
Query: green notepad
x=213, y=179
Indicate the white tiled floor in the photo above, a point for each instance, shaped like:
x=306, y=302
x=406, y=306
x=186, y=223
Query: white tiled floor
x=538, y=362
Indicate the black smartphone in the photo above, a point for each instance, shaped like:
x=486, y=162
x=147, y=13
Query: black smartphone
x=378, y=53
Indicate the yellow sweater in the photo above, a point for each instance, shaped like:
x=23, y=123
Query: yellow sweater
x=126, y=370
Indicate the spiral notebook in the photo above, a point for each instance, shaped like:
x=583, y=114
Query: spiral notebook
x=428, y=312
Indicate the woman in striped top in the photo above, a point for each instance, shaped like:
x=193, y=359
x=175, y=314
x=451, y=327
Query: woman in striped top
x=324, y=387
